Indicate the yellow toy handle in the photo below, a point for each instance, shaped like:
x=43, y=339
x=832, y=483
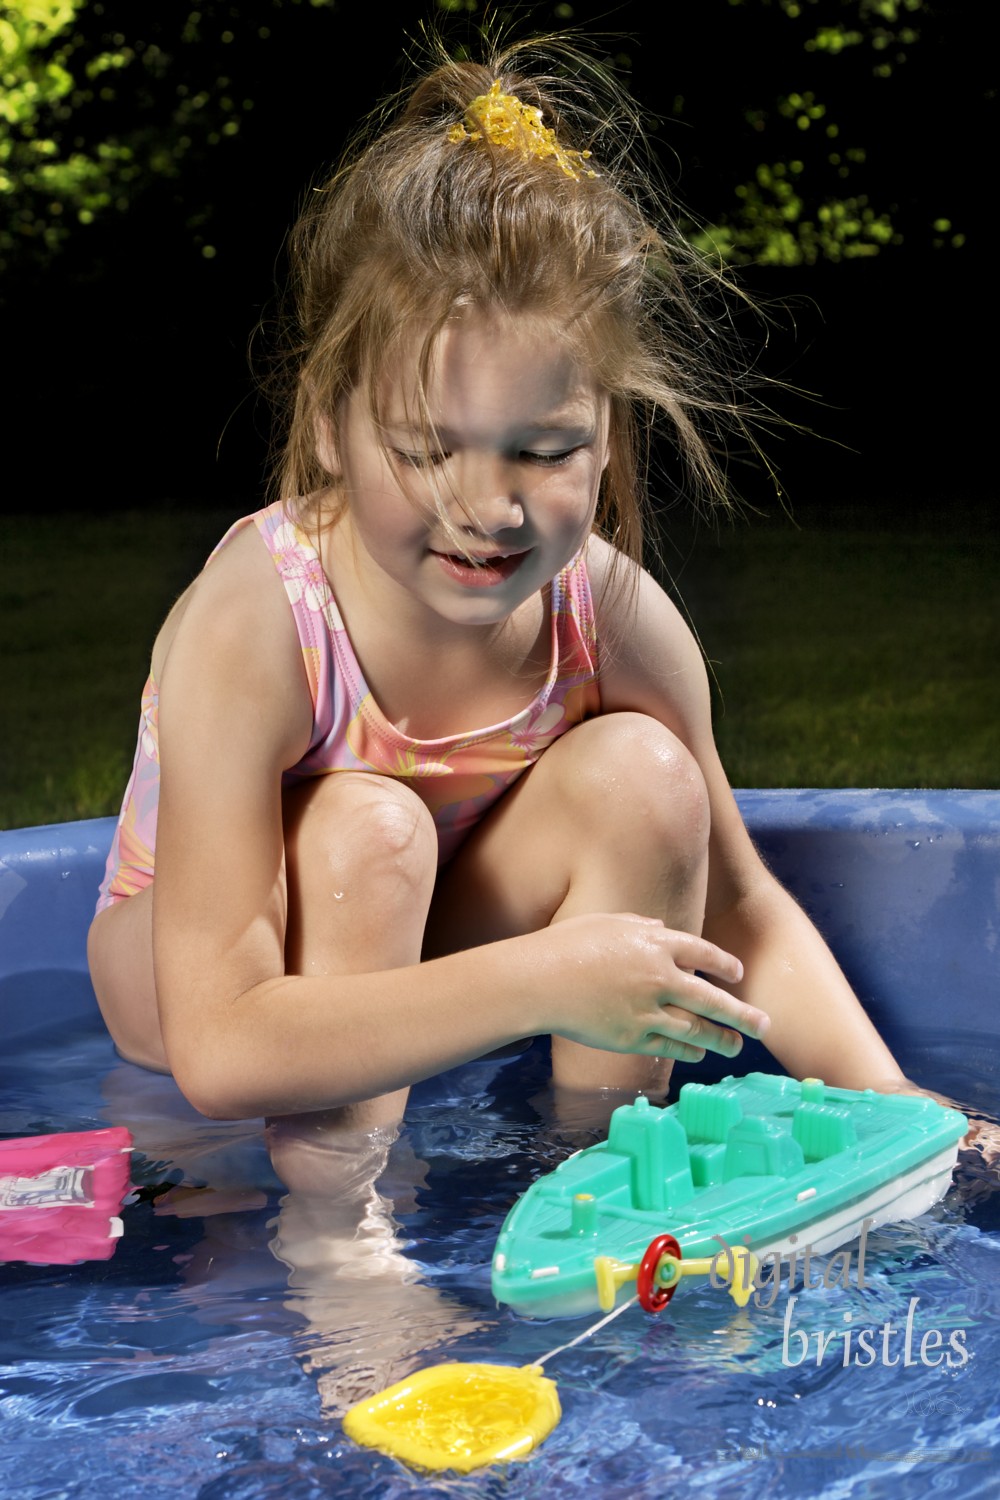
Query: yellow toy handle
x=739, y=1268
x=611, y=1274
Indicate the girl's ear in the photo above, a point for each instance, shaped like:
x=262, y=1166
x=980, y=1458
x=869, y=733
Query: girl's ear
x=607, y=434
x=327, y=447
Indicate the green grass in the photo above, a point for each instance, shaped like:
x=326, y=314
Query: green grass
x=844, y=654
x=849, y=655
x=81, y=600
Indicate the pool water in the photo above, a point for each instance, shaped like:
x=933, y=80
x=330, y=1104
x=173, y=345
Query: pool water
x=213, y=1355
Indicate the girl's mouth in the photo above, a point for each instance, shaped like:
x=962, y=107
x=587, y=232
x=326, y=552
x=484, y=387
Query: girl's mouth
x=480, y=572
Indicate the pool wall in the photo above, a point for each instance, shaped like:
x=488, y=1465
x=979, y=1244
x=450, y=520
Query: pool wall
x=904, y=885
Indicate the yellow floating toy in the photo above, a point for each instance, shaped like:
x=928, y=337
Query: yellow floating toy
x=458, y=1416
x=467, y=1416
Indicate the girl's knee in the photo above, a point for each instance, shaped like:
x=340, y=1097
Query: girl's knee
x=362, y=826
x=630, y=768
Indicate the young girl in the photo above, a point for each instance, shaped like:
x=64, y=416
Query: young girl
x=426, y=762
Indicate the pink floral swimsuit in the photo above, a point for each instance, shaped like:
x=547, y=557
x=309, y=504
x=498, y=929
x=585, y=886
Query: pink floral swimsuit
x=459, y=777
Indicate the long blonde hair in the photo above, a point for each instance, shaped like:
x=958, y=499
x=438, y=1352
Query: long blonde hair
x=421, y=219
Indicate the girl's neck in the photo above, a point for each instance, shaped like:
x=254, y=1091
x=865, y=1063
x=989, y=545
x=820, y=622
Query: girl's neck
x=433, y=677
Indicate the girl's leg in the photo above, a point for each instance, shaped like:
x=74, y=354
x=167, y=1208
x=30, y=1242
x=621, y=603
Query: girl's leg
x=120, y=956
x=613, y=818
x=360, y=863
x=361, y=859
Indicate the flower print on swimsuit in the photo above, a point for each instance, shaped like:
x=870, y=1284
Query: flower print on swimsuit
x=523, y=444
x=537, y=728
x=537, y=732
x=298, y=571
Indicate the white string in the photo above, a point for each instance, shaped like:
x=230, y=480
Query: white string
x=594, y=1328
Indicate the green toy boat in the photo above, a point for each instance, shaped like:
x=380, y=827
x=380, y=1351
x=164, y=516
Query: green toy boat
x=761, y=1164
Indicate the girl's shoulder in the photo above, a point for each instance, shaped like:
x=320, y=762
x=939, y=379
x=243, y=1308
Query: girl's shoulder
x=651, y=660
x=234, y=617
x=635, y=615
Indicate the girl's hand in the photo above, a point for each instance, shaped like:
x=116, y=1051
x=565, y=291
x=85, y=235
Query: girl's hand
x=628, y=984
x=984, y=1131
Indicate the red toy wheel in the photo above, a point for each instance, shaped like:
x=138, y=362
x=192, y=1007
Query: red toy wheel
x=654, y=1298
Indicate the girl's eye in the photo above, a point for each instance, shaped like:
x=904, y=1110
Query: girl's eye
x=410, y=459
x=548, y=460
x=419, y=460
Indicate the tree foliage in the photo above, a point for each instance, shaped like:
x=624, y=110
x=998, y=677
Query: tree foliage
x=103, y=100
x=807, y=127
x=821, y=193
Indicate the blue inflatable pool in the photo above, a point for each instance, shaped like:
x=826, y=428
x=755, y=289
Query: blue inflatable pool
x=904, y=885
x=214, y=1354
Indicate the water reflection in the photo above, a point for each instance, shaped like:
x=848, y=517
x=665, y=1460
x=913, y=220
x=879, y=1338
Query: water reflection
x=369, y=1319
x=333, y=1257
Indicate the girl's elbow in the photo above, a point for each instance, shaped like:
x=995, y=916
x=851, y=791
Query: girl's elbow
x=210, y=1099
x=209, y=1087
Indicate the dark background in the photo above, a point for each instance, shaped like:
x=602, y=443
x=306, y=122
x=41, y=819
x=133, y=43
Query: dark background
x=128, y=347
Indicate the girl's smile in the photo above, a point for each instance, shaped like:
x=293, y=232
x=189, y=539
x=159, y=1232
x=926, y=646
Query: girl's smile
x=476, y=509
x=480, y=570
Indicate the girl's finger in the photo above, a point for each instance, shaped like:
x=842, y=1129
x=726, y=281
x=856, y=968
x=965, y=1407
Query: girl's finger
x=694, y=1031
x=662, y=1046
x=693, y=952
x=694, y=995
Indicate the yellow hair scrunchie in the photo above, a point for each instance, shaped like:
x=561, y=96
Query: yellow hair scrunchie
x=504, y=120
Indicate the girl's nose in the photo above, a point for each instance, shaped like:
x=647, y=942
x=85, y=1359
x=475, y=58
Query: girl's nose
x=489, y=517
x=490, y=498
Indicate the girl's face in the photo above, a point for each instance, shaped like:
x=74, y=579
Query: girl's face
x=521, y=440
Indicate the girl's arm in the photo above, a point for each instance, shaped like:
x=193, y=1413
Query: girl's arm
x=243, y=1038
x=651, y=663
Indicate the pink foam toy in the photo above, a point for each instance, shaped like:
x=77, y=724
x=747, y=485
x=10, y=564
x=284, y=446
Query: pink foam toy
x=60, y=1196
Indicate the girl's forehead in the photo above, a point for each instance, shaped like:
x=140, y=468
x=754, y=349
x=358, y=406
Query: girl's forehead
x=488, y=362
